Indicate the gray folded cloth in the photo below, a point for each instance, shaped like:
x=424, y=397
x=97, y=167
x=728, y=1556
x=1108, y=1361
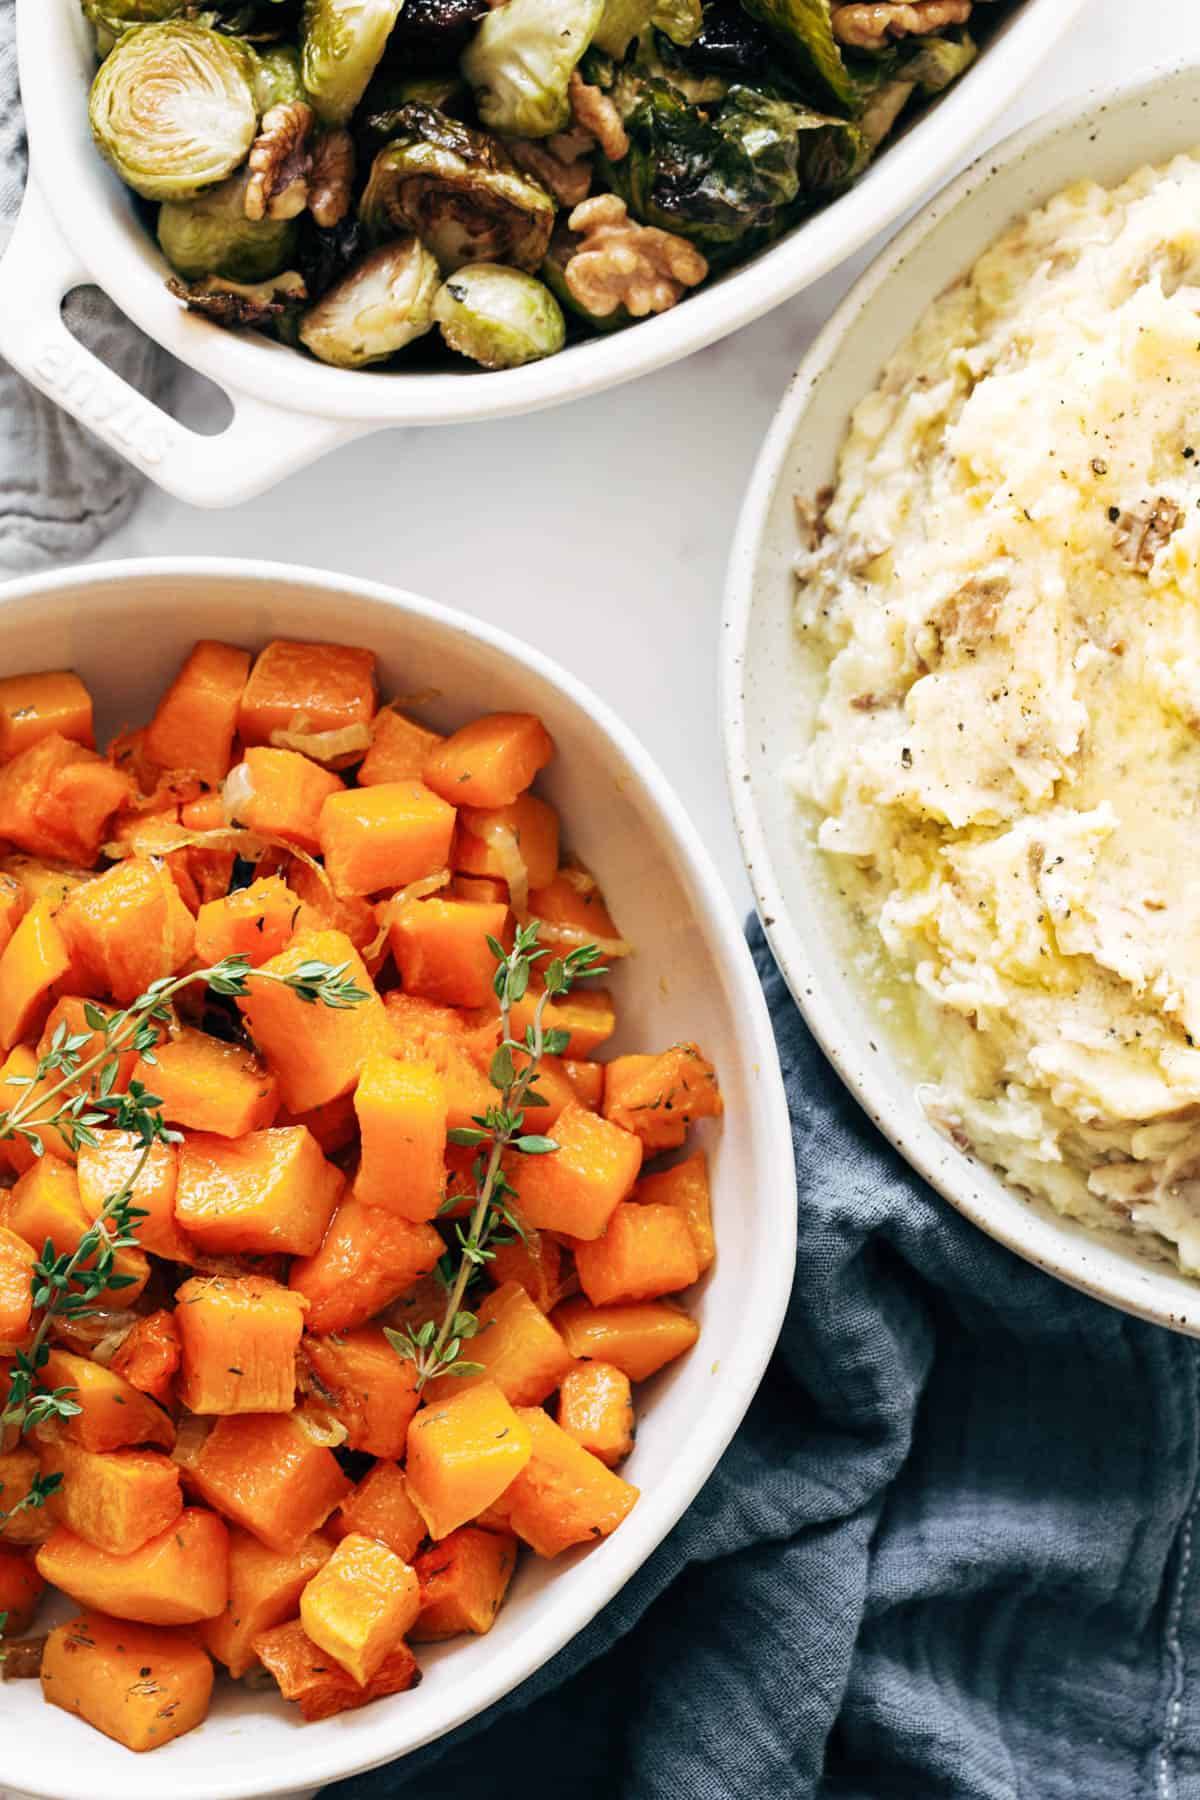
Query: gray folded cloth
x=61, y=489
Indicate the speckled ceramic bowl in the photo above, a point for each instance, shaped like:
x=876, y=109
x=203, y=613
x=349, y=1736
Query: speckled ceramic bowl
x=770, y=687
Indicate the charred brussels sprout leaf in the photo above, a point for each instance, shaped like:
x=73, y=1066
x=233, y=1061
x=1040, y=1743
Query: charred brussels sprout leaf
x=803, y=30
x=341, y=44
x=457, y=189
x=499, y=317
x=173, y=108
x=380, y=306
x=211, y=235
x=260, y=306
x=723, y=180
x=521, y=60
x=431, y=35
x=325, y=254
x=933, y=63
x=728, y=43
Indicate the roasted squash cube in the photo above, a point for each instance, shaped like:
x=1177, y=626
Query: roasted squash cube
x=384, y=837
x=32, y=706
x=487, y=839
x=126, y=929
x=463, y=1454
x=595, y=1407
x=19, y=1469
x=33, y=963
x=381, y=1507
x=262, y=1473
x=360, y=1605
x=21, y=1588
x=400, y=748
x=105, y=1166
x=571, y=898
x=308, y=688
x=239, y=1338
x=280, y=794
x=149, y=1356
x=45, y=1204
x=177, y=1578
x=139, y=1684
x=256, y=922
x=269, y=1191
x=368, y=1257
x=319, y=1686
x=587, y=1016
x=646, y=1251
x=112, y=1415
x=639, y=1337
x=360, y=1380
x=658, y=1097
x=17, y=1259
x=401, y=1108
x=577, y=1188
x=14, y=904
x=564, y=1495
x=490, y=761
x=518, y=1348
x=264, y=1589
x=441, y=947
x=56, y=800
x=686, y=1187
x=535, y=1261
x=207, y=1085
x=117, y=1500
x=463, y=1583
x=193, y=727
x=316, y=1052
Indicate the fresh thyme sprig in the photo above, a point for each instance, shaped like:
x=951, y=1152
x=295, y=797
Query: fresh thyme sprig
x=435, y=1348
x=65, y=1284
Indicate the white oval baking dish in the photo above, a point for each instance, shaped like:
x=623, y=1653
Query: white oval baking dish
x=79, y=225
x=769, y=689
x=691, y=976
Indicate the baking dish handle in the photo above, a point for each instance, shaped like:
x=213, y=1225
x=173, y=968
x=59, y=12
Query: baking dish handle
x=261, y=445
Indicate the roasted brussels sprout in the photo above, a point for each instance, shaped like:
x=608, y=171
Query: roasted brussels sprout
x=211, y=235
x=457, y=189
x=116, y=16
x=520, y=62
x=803, y=30
x=724, y=179
x=380, y=306
x=499, y=317
x=342, y=42
x=933, y=63
x=260, y=306
x=173, y=108
x=277, y=78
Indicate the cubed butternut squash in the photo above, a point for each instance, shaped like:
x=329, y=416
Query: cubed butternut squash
x=308, y=688
x=646, y=1251
x=359, y=1379
x=264, y=1589
x=256, y=922
x=334, y=1125
x=104, y=1167
x=486, y=888
x=19, y=1468
x=45, y=1204
x=658, y=1097
x=401, y=1109
x=564, y=1495
x=21, y=1589
x=56, y=800
x=116, y=1499
x=368, y=1257
x=280, y=794
x=194, y=724
x=577, y=1188
x=639, y=1337
x=268, y=1191
x=238, y=1340
x=149, y=1357
x=16, y=1152
x=587, y=1079
x=595, y=1407
x=463, y=1582
x=71, y=1014
x=463, y=1454
x=487, y=838
x=317, y=1053
x=323, y=910
x=400, y=748
x=686, y=1187
x=31, y=706
x=572, y=899
x=14, y=903
x=127, y=928
x=262, y=1473
x=205, y=1084
x=112, y=1414
x=177, y=1578
x=587, y=1016
x=381, y=1507
x=360, y=1605
x=441, y=947
x=35, y=960
x=383, y=837
x=415, y=1035
x=17, y=1259
x=139, y=1684
x=518, y=1348
x=490, y=761
x=318, y=1685
x=535, y=1261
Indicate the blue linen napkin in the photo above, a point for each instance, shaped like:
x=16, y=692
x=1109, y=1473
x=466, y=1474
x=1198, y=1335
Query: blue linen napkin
x=949, y=1556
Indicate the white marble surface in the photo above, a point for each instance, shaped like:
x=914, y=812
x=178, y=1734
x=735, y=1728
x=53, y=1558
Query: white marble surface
x=600, y=531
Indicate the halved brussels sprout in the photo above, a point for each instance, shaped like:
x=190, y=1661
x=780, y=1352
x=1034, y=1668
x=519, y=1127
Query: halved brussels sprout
x=173, y=108
x=341, y=44
x=211, y=235
x=115, y=16
x=803, y=30
x=380, y=306
x=521, y=59
x=457, y=189
x=499, y=317
x=278, y=80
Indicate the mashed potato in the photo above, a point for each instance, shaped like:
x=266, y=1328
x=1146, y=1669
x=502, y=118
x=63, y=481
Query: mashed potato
x=1006, y=762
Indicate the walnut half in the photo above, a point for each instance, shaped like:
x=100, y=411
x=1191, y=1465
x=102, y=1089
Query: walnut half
x=622, y=263
x=568, y=178
x=868, y=24
x=594, y=112
x=331, y=178
x=279, y=163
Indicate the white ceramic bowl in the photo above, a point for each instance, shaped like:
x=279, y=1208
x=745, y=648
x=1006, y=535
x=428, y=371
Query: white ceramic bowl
x=769, y=687
x=125, y=627
x=79, y=225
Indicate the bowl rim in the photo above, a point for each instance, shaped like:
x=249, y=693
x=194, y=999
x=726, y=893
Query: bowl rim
x=1160, y=1295
x=764, y=1300
x=122, y=256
